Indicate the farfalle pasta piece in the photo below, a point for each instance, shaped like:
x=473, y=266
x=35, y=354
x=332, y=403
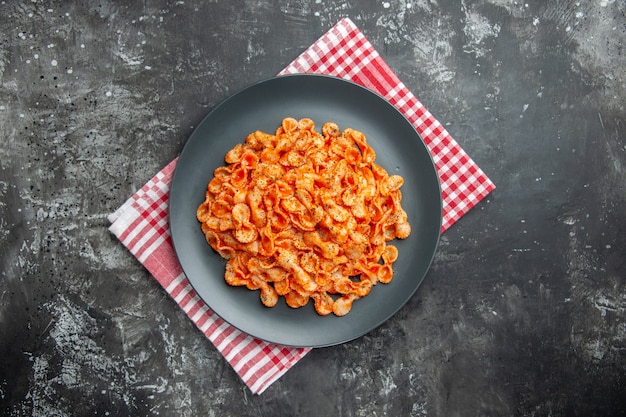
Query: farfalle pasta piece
x=305, y=216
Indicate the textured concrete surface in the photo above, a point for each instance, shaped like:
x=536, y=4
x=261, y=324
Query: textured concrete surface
x=524, y=310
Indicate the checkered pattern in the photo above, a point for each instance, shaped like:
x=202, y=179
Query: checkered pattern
x=141, y=223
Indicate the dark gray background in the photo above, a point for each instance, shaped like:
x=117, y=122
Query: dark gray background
x=524, y=310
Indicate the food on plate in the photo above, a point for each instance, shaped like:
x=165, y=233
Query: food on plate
x=305, y=215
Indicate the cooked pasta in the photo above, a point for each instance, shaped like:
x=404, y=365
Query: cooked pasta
x=305, y=216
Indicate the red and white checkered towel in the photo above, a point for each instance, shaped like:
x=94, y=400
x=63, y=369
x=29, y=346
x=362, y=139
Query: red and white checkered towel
x=141, y=223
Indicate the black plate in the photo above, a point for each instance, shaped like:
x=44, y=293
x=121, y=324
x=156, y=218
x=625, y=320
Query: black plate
x=262, y=106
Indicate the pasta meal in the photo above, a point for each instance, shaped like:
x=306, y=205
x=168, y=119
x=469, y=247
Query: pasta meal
x=305, y=215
